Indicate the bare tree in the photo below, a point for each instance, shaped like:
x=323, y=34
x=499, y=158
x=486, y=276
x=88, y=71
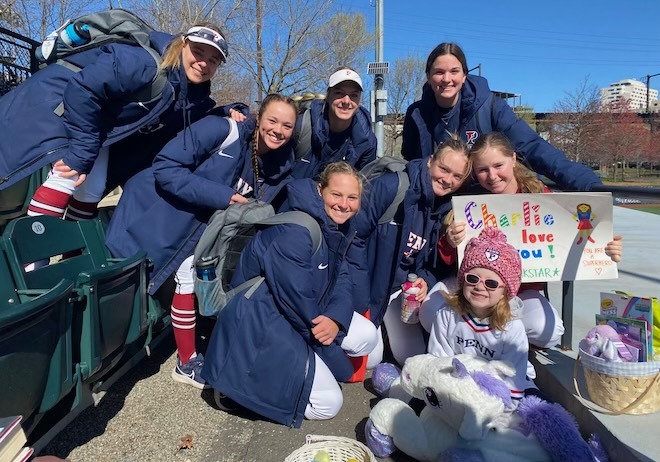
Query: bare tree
x=622, y=136
x=37, y=18
x=571, y=129
x=175, y=16
x=302, y=43
x=404, y=86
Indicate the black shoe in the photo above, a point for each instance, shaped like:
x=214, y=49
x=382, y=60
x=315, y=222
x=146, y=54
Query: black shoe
x=224, y=403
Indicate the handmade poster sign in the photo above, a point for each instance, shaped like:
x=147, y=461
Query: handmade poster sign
x=559, y=236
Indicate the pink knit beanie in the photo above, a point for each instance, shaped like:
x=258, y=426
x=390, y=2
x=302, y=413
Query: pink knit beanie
x=490, y=250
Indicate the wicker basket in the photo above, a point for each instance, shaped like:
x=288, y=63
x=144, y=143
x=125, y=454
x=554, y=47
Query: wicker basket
x=339, y=448
x=620, y=387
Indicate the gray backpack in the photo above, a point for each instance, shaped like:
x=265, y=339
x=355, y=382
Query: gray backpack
x=225, y=237
x=387, y=164
x=303, y=138
x=109, y=26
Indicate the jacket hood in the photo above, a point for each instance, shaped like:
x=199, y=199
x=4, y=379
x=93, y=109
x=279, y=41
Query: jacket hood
x=160, y=41
x=304, y=195
x=474, y=93
x=420, y=180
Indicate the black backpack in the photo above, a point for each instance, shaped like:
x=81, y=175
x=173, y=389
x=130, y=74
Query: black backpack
x=109, y=26
x=223, y=240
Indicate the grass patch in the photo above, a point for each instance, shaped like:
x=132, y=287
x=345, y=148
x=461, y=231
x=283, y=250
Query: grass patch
x=643, y=207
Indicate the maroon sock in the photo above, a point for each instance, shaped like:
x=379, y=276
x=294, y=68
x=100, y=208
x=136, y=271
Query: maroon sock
x=81, y=211
x=183, y=324
x=48, y=201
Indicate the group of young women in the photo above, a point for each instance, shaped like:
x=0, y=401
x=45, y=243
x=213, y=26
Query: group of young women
x=282, y=351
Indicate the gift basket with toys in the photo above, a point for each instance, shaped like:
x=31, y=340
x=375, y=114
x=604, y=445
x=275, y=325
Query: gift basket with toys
x=617, y=356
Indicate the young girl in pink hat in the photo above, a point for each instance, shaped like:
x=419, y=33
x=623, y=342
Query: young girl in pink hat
x=482, y=317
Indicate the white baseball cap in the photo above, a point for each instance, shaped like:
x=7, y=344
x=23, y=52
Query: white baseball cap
x=201, y=34
x=342, y=75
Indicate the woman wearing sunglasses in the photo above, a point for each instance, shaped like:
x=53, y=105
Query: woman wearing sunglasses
x=482, y=317
x=106, y=111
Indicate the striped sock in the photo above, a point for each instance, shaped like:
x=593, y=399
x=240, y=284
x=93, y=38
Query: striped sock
x=48, y=201
x=183, y=324
x=81, y=211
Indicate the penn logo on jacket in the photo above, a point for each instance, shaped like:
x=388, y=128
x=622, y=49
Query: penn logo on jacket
x=416, y=242
x=243, y=188
x=470, y=137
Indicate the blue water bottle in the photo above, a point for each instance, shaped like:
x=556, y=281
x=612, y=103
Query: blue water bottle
x=205, y=268
x=75, y=34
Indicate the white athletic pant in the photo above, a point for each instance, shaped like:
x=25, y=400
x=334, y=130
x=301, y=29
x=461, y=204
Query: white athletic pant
x=183, y=277
x=543, y=324
x=326, y=399
x=94, y=186
x=405, y=340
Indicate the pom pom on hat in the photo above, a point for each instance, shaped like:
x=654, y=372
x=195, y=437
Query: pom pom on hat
x=490, y=250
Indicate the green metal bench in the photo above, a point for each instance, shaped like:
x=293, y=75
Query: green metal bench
x=113, y=310
x=15, y=199
x=36, y=352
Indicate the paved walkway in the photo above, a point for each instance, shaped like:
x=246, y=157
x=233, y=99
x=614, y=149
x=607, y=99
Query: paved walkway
x=145, y=414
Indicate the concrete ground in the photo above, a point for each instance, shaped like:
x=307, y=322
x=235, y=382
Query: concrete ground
x=145, y=415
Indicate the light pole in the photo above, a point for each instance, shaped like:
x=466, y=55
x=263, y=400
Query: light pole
x=379, y=69
x=648, y=89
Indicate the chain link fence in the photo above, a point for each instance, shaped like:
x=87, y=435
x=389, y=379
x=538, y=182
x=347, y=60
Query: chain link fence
x=17, y=61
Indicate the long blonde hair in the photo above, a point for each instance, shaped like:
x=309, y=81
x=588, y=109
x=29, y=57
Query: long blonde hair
x=499, y=315
x=172, y=55
x=526, y=179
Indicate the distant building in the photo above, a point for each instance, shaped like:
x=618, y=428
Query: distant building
x=629, y=89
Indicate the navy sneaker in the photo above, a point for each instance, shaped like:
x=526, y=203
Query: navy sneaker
x=190, y=372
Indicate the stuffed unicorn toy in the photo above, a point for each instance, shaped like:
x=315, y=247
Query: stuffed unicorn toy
x=470, y=417
x=601, y=341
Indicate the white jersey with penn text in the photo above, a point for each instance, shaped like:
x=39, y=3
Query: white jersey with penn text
x=453, y=334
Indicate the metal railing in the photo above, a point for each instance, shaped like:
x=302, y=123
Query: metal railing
x=622, y=195
x=17, y=60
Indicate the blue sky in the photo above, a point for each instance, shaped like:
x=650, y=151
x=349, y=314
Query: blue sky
x=540, y=50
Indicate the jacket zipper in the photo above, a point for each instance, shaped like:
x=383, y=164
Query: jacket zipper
x=295, y=414
x=120, y=135
x=29, y=164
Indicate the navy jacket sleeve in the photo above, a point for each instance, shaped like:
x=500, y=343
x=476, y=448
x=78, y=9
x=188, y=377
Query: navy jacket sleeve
x=411, y=143
x=174, y=166
x=543, y=158
x=89, y=93
x=368, y=156
x=240, y=107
